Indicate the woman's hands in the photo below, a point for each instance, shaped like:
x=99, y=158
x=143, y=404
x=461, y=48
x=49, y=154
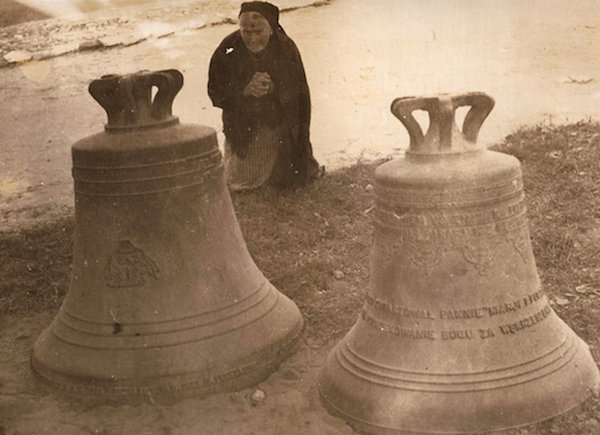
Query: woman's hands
x=259, y=86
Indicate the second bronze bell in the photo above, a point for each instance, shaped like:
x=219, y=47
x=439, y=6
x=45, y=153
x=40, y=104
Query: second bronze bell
x=165, y=301
x=456, y=335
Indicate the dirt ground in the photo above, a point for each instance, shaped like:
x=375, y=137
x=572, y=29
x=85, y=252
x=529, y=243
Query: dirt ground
x=537, y=59
x=291, y=405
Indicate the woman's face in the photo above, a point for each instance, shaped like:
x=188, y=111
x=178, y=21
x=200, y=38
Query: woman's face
x=255, y=30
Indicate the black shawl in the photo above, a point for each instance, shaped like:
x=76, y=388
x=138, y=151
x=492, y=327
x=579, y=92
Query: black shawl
x=231, y=69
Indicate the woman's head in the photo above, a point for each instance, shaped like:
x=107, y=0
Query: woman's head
x=258, y=20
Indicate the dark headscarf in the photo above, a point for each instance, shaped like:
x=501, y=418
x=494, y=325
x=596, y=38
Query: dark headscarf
x=231, y=69
x=267, y=10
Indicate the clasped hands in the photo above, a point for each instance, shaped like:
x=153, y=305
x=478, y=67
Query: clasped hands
x=259, y=86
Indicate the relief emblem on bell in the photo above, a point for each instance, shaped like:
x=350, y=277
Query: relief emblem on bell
x=456, y=334
x=128, y=266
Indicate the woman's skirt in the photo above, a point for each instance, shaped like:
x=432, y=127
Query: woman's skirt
x=256, y=168
x=269, y=160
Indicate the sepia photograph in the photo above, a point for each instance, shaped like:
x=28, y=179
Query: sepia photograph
x=293, y=217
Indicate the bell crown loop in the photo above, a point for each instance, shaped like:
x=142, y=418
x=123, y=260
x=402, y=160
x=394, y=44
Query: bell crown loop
x=443, y=136
x=127, y=99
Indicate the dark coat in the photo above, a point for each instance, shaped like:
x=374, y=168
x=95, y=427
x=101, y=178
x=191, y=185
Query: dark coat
x=232, y=68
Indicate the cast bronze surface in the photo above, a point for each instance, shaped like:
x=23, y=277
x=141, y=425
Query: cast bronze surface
x=128, y=99
x=165, y=301
x=456, y=334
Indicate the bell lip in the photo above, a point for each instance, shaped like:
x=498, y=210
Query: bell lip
x=363, y=425
x=582, y=362
x=366, y=426
x=83, y=389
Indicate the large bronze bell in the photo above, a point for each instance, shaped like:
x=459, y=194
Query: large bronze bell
x=165, y=301
x=456, y=334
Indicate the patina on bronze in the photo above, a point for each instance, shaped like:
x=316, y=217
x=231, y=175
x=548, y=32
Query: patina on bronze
x=165, y=301
x=456, y=334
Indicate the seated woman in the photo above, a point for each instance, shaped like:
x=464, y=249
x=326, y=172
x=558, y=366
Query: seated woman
x=256, y=76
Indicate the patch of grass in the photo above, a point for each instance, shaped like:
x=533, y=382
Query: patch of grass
x=561, y=177
x=300, y=238
x=36, y=266
x=562, y=182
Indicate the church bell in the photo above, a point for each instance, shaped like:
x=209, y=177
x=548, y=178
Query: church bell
x=456, y=334
x=165, y=301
